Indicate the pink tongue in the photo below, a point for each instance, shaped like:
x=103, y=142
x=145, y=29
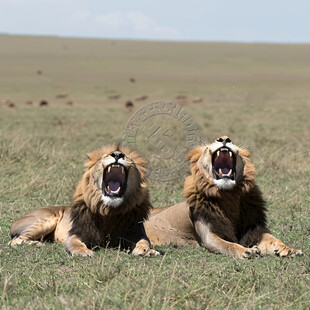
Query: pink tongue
x=225, y=170
x=114, y=185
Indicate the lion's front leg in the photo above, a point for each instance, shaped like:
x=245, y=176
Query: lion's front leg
x=75, y=246
x=142, y=244
x=271, y=245
x=215, y=244
x=143, y=248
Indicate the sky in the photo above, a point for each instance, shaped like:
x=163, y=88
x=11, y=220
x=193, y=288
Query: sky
x=271, y=21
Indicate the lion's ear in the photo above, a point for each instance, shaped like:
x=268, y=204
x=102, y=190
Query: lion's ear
x=245, y=153
x=93, y=157
x=194, y=154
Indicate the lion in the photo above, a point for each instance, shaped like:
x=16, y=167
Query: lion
x=224, y=208
x=109, y=206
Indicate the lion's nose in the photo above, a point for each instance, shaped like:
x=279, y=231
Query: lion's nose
x=118, y=155
x=224, y=140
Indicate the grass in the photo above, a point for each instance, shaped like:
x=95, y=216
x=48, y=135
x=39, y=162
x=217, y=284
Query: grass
x=256, y=94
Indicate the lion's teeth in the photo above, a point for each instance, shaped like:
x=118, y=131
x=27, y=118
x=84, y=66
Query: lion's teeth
x=117, y=191
x=109, y=169
x=218, y=153
x=220, y=172
x=123, y=170
x=230, y=172
x=230, y=154
x=108, y=188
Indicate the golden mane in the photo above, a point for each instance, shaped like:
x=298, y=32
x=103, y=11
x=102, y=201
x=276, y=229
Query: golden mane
x=88, y=195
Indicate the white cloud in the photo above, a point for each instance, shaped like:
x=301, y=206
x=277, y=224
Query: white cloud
x=113, y=20
x=144, y=24
x=117, y=24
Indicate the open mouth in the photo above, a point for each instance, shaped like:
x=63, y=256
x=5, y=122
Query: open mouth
x=224, y=164
x=114, y=180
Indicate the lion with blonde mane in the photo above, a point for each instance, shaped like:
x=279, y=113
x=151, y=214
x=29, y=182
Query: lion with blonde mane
x=224, y=208
x=109, y=206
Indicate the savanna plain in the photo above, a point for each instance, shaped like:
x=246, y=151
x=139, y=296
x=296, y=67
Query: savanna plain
x=258, y=94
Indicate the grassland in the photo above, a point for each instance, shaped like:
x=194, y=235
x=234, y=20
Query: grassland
x=257, y=94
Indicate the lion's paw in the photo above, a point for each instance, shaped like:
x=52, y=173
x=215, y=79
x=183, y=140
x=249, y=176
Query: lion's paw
x=143, y=249
x=21, y=241
x=145, y=252
x=151, y=252
x=83, y=253
x=251, y=252
x=287, y=252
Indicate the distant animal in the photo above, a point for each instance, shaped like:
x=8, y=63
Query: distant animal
x=180, y=97
x=62, y=95
x=11, y=104
x=129, y=106
x=114, y=96
x=109, y=206
x=132, y=80
x=197, y=100
x=39, y=72
x=43, y=103
x=69, y=103
x=141, y=98
x=224, y=208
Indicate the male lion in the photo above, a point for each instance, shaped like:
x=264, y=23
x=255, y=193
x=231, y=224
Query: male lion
x=224, y=209
x=109, y=206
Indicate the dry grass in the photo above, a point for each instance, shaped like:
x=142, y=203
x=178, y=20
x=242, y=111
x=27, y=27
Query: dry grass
x=256, y=94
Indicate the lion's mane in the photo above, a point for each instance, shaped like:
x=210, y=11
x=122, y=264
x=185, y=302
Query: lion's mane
x=228, y=211
x=88, y=195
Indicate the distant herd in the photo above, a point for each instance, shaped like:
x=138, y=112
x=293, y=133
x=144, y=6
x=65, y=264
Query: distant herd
x=180, y=99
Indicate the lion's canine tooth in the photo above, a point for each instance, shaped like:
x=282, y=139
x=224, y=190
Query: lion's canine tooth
x=117, y=191
x=230, y=154
x=220, y=172
x=230, y=172
x=109, y=169
x=123, y=170
x=108, y=188
x=218, y=153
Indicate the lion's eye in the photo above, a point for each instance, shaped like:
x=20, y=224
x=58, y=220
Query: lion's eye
x=219, y=140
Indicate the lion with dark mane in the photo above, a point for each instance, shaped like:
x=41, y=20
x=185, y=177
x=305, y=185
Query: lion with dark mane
x=224, y=208
x=109, y=206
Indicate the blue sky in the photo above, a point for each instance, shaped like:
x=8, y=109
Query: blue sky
x=191, y=20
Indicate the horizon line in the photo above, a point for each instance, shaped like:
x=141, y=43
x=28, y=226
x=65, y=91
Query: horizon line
x=155, y=40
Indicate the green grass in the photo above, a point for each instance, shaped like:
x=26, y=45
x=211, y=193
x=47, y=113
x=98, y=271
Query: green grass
x=257, y=94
